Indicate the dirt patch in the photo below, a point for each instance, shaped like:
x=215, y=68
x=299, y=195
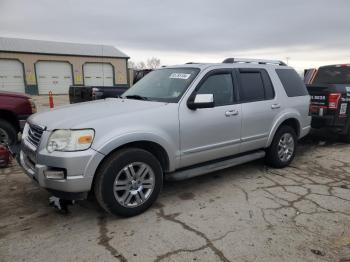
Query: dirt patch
x=186, y=196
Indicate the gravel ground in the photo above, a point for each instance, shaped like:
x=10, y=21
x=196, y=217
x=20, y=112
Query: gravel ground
x=246, y=213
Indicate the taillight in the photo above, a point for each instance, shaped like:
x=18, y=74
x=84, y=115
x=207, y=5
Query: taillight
x=333, y=100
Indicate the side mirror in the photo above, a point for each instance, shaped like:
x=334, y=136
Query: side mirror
x=201, y=101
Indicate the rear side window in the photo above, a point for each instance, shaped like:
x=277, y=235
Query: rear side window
x=255, y=85
x=292, y=82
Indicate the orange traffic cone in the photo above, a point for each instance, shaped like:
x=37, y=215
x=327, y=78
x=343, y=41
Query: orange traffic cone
x=51, y=100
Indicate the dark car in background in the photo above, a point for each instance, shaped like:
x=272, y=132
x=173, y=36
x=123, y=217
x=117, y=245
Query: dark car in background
x=139, y=74
x=329, y=89
x=15, y=108
x=78, y=94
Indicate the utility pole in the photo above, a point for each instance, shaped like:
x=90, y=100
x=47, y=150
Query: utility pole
x=287, y=60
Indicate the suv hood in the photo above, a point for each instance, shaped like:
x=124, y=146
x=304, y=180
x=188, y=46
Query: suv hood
x=76, y=115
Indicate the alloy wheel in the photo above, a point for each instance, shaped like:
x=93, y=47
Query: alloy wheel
x=134, y=184
x=286, y=147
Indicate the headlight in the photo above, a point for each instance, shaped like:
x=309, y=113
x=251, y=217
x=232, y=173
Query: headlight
x=70, y=140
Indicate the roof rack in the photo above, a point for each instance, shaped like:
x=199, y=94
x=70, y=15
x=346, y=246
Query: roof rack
x=256, y=61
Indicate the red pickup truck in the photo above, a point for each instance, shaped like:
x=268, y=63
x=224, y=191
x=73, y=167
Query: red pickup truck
x=15, y=108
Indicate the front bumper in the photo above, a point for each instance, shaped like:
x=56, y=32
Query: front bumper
x=78, y=167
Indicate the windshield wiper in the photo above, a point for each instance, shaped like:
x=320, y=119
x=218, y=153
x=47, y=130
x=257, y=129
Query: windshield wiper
x=136, y=97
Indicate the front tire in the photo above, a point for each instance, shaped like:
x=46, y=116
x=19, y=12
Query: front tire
x=128, y=182
x=8, y=133
x=282, y=150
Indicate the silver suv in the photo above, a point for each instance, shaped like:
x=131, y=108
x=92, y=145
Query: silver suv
x=177, y=122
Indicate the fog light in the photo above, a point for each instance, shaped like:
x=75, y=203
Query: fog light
x=54, y=174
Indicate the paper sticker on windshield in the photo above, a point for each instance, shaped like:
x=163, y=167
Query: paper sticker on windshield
x=179, y=76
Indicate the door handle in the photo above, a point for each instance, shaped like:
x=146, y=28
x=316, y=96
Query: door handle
x=275, y=106
x=233, y=112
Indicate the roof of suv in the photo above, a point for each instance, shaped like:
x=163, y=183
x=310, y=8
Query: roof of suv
x=238, y=62
x=231, y=65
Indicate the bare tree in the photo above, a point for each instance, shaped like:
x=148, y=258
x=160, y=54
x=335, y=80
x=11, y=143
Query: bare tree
x=131, y=64
x=141, y=65
x=153, y=63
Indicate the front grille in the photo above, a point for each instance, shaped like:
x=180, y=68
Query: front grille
x=34, y=134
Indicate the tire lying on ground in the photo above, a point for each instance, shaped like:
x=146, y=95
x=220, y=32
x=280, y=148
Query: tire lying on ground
x=128, y=182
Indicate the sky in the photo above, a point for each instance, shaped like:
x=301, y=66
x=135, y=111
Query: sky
x=306, y=33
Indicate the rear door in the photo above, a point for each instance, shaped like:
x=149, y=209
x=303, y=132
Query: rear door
x=259, y=107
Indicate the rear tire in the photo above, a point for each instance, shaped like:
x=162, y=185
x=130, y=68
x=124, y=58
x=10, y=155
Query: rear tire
x=8, y=133
x=128, y=182
x=283, y=147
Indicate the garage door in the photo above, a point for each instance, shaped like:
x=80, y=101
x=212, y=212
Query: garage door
x=98, y=74
x=53, y=76
x=11, y=76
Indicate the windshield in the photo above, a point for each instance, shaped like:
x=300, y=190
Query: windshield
x=163, y=85
x=333, y=75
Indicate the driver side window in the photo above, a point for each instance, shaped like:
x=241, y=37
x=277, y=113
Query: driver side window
x=221, y=86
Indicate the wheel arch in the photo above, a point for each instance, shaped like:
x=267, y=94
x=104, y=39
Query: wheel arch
x=153, y=147
x=156, y=146
x=289, y=120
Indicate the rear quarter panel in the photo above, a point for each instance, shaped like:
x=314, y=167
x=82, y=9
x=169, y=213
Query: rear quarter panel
x=291, y=107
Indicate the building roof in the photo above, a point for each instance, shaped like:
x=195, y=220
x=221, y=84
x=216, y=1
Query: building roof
x=58, y=48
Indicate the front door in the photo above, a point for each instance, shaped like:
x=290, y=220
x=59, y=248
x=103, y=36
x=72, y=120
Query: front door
x=211, y=133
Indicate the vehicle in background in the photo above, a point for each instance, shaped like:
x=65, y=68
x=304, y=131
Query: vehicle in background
x=15, y=108
x=309, y=75
x=78, y=94
x=4, y=156
x=140, y=73
x=176, y=123
x=330, y=99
